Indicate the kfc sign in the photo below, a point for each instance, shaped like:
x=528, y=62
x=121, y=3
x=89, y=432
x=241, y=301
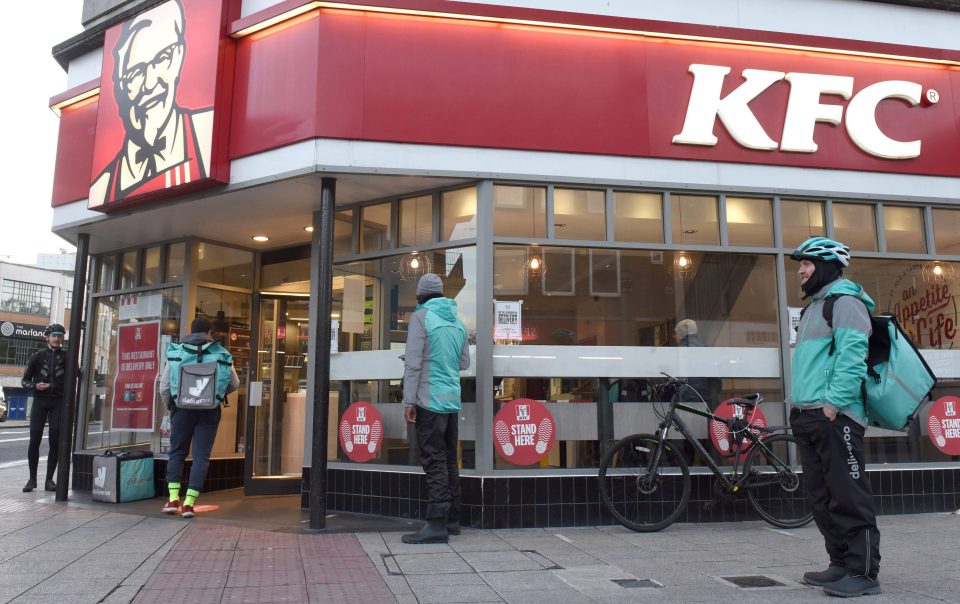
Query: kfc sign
x=162, y=107
x=804, y=110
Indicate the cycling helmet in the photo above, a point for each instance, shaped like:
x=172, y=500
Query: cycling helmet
x=821, y=248
x=54, y=328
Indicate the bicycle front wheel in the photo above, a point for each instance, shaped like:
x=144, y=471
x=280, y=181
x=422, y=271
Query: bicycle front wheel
x=775, y=487
x=640, y=499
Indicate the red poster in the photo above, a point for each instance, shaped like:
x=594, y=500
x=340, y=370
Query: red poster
x=943, y=421
x=361, y=431
x=723, y=440
x=524, y=431
x=134, y=386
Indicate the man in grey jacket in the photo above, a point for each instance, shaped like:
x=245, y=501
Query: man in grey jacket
x=436, y=352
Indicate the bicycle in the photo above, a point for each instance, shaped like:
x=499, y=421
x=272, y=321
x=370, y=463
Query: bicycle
x=645, y=482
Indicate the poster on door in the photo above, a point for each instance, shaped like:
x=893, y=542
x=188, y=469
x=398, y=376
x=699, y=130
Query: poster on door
x=726, y=442
x=134, y=385
x=361, y=431
x=943, y=424
x=524, y=431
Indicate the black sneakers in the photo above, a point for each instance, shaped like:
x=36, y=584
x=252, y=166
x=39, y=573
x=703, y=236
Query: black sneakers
x=31, y=485
x=818, y=578
x=853, y=586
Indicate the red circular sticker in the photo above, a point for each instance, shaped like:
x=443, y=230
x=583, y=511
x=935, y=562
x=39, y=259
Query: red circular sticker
x=361, y=431
x=943, y=424
x=720, y=434
x=524, y=431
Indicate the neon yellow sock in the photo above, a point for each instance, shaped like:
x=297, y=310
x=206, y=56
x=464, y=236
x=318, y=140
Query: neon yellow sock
x=191, y=497
x=174, y=490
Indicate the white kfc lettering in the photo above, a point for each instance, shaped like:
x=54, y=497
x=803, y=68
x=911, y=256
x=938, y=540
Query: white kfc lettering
x=804, y=110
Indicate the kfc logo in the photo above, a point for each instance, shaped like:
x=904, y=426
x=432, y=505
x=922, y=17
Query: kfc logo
x=804, y=111
x=523, y=413
x=148, y=138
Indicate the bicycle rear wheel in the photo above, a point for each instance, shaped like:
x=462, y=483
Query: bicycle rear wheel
x=775, y=487
x=641, y=500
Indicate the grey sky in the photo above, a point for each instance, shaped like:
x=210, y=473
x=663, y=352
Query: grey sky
x=27, y=158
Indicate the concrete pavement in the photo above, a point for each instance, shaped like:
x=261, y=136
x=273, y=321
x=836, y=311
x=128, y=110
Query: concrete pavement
x=90, y=552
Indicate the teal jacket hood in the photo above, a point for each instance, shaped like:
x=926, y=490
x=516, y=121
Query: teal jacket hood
x=445, y=308
x=848, y=288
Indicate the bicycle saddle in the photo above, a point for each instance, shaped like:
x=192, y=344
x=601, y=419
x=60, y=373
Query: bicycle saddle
x=750, y=401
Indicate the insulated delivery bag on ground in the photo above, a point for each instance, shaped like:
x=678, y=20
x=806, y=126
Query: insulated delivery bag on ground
x=123, y=476
x=898, y=378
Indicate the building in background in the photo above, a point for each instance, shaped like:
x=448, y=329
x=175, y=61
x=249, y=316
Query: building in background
x=581, y=179
x=30, y=299
x=64, y=261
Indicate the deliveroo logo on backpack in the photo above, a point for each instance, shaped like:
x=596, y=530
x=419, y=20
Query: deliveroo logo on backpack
x=200, y=386
x=101, y=478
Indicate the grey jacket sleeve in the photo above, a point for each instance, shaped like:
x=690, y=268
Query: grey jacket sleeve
x=165, y=385
x=413, y=357
x=465, y=354
x=234, y=383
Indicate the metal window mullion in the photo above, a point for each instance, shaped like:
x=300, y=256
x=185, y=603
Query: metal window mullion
x=828, y=218
x=785, y=368
x=355, y=242
x=436, y=219
x=189, y=294
x=551, y=220
x=777, y=223
x=667, y=218
x=881, y=227
x=484, y=320
x=928, y=230
x=722, y=219
x=608, y=205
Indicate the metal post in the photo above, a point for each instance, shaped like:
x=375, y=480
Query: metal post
x=321, y=290
x=73, y=369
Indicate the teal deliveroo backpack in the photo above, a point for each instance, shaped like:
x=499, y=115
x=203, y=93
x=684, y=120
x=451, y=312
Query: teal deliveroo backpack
x=898, y=378
x=199, y=374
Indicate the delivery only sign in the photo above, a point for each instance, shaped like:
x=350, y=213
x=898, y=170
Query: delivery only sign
x=524, y=431
x=943, y=423
x=134, y=385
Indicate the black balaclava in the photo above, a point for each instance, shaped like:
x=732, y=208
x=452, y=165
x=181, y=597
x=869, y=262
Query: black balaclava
x=423, y=298
x=826, y=272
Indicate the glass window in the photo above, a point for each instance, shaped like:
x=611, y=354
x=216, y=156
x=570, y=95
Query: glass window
x=855, y=226
x=519, y=211
x=694, y=219
x=26, y=298
x=750, y=221
x=224, y=265
x=375, y=227
x=903, y=227
x=579, y=214
x=176, y=255
x=800, y=220
x=108, y=272
x=638, y=217
x=343, y=233
x=458, y=213
x=373, y=301
x=946, y=230
x=17, y=351
x=416, y=220
x=151, y=265
x=128, y=269
x=97, y=414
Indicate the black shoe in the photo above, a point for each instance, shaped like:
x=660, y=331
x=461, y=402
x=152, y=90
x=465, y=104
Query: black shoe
x=50, y=485
x=434, y=531
x=453, y=527
x=31, y=485
x=853, y=586
x=819, y=578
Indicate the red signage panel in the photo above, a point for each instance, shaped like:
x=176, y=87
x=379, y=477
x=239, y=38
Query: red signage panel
x=163, y=103
x=134, y=385
x=361, y=431
x=524, y=431
x=725, y=441
x=943, y=424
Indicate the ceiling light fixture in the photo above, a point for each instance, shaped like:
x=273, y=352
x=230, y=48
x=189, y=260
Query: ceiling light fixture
x=261, y=238
x=308, y=229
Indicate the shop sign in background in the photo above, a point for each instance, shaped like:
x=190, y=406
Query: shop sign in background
x=943, y=423
x=361, y=431
x=524, y=431
x=134, y=386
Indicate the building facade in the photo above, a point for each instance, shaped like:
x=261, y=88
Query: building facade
x=30, y=299
x=584, y=176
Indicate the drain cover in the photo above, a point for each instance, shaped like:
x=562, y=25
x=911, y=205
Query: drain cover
x=753, y=581
x=630, y=583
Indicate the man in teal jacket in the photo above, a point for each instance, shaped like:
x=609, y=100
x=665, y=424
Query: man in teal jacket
x=829, y=420
x=436, y=352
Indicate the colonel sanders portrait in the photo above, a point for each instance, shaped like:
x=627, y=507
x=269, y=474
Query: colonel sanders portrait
x=164, y=144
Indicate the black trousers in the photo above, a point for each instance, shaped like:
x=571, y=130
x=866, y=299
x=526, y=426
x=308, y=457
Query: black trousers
x=43, y=410
x=834, y=478
x=196, y=426
x=437, y=435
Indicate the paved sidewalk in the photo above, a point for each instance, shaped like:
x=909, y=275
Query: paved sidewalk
x=80, y=552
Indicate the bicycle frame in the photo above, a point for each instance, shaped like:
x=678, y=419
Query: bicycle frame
x=674, y=420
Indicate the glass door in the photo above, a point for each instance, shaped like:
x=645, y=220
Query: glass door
x=277, y=423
